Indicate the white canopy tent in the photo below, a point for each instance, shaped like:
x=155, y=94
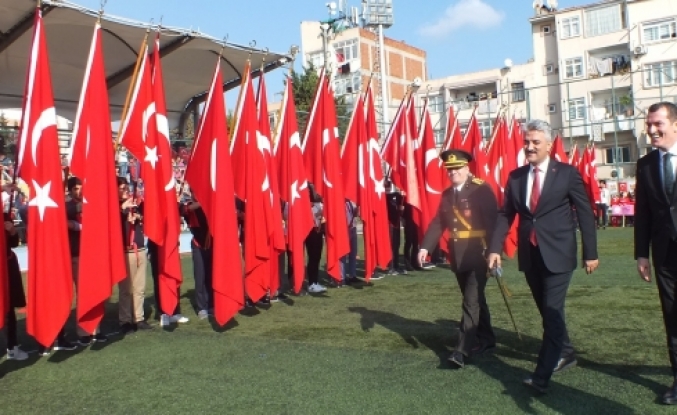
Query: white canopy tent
x=188, y=57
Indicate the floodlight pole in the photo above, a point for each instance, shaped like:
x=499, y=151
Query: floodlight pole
x=384, y=83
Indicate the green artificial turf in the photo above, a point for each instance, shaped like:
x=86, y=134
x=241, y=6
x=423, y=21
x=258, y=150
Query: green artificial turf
x=369, y=349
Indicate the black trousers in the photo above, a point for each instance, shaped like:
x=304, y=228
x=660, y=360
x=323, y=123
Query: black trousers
x=10, y=329
x=202, y=272
x=602, y=214
x=411, y=244
x=475, y=328
x=155, y=272
x=395, y=239
x=314, y=242
x=549, y=291
x=666, y=280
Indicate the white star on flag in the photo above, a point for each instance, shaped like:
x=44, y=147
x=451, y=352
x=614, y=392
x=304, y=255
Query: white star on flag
x=42, y=199
x=295, y=191
x=151, y=156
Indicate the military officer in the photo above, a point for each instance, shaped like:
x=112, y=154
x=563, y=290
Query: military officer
x=468, y=209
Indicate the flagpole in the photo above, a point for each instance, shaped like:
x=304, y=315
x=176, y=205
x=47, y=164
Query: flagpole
x=135, y=75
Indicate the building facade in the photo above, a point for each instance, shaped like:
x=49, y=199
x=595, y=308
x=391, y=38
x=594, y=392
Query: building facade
x=595, y=70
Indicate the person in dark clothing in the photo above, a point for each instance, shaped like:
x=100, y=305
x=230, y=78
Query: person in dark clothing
x=410, y=239
x=395, y=206
x=154, y=260
x=201, y=248
x=17, y=297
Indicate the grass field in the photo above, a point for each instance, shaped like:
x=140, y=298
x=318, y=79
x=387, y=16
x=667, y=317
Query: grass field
x=378, y=349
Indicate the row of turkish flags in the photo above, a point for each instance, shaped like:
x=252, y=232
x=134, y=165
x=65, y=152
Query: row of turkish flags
x=586, y=164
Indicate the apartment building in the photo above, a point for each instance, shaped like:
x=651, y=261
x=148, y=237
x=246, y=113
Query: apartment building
x=353, y=55
x=596, y=68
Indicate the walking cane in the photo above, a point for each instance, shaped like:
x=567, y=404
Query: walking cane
x=497, y=272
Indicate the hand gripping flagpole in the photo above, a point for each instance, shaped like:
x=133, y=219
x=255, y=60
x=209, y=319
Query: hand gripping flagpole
x=497, y=272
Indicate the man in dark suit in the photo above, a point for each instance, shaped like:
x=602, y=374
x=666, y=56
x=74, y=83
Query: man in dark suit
x=656, y=220
x=468, y=209
x=542, y=194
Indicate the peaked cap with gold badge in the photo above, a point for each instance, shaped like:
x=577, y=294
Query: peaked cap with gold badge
x=455, y=159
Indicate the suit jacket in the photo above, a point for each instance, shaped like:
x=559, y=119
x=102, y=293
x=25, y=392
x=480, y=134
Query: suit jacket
x=553, y=219
x=476, y=203
x=655, y=214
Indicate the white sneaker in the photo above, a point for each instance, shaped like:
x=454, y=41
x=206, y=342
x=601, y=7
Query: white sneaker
x=179, y=318
x=203, y=314
x=165, y=320
x=317, y=288
x=16, y=354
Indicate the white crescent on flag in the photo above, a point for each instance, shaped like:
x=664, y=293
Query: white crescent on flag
x=326, y=138
x=430, y=156
x=147, y=114
x=163, y=130
x=47, y=119
x=212, y=166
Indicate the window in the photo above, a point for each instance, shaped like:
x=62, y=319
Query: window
x=549, y=68
x=545, y=29
x=577, y=109
x=347, y=85
x=620, y=153
x=439, y=136
x=571, y=27
x=603, y=20
x=436, y=103
x=346, y=50
x=656, y=31
x=518, y=92
x=316, y=59
x=573, y=68
x=552, y=108
x=660, y=73
x=486, y=128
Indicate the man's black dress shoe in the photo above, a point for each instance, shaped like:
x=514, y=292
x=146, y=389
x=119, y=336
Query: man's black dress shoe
x=565, y=363
x=457, y=359
x=670, y=397
x=483, y=349
x=535, y=385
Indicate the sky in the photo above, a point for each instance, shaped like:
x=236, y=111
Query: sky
x=459, y=36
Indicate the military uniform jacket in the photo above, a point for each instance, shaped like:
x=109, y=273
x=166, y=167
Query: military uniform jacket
x=466, y=213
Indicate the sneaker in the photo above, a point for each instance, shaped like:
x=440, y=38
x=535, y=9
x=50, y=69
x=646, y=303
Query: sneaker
x=378, y=276
x=203, y=314
x=165, y=320
x=100, y=338
x=85, y=340
x=402, y=271
x=64, y=345
x=316, y=288
x=265, y=300
x=428, y=265
x=248, y=303
x=279, y=297
x=179, y=318
x=392, y=272
x=44, y=351
x=16, y=354
x=142, y=325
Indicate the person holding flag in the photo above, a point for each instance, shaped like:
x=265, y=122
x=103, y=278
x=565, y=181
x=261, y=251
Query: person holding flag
x=468, y=209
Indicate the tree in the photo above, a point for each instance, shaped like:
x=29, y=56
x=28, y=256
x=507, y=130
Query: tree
x=304, y=91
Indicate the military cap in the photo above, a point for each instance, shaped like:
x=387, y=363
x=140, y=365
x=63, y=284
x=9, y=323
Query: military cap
x=455, y=159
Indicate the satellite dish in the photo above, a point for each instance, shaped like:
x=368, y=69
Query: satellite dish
x=417, y=82
x=332, y=7
x=537, y=4
x=508, y=63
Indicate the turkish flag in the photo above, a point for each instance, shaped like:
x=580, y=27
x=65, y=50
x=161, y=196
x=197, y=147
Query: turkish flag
x=322, y=157
x=557, y=150
x=452, y=134
x=140, y=136
x=253, y=187
x=394, y=141
x=574, y=156
x=50, y=280
x=293, y=184
x=211, y=179
x=102, y=263
x=169, y=263
x=588, y=169
x=277, y=245
x=376, y=187
x=358, y=184
x=473, y=144
x=497, y=158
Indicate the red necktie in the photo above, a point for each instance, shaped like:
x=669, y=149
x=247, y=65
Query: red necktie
x=533, y=202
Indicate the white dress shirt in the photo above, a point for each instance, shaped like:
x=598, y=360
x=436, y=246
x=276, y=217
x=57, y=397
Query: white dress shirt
x=543, y=170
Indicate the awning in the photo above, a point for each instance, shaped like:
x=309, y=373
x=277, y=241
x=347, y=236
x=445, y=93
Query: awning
x=188, y=57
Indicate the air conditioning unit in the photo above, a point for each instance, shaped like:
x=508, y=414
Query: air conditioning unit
x=640, y=50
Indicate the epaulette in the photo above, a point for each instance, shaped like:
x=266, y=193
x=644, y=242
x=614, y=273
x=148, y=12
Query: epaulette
x=477, y=181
